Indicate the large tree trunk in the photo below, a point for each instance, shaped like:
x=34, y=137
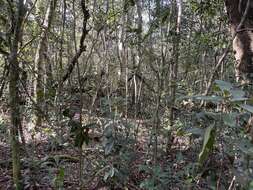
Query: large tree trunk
x=240, y=13
x=14, y=94
x=39, y=60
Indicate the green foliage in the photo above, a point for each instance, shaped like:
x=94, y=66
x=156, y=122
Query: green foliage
x=209, y=140
x=223, y=85
x=109, y=139
x=230, y=119
x=247, y=108
x=213, y=99
x=59, y=179
x=206, y=9
x=113, y=16
x=79, y=132
x=158, y=178
x=226, y=92
x=251, y=186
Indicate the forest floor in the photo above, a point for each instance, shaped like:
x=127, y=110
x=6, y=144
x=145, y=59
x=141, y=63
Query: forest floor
x=47, y=165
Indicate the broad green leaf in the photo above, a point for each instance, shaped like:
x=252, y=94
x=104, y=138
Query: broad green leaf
x=209, y=140
x=238, y=99
x=230, y=119
x=108, y=132
x=246, y=147
x=196, y=132
x=238, y=95
x=209, y=98
x=109, y=146
x=247, y=108
x=251, y=185
x=79, y=140
x=200, y=97
x=223, y=85
x=144, y=168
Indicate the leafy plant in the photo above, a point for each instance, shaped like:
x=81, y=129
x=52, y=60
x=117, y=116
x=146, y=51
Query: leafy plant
x=80, y=133
x=158, y=178
x=59, y=179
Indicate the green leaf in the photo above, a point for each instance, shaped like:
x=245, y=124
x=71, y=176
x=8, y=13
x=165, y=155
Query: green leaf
x=223, y=85
x=61, y=173
x=144, y=168
x=200, y=97
x=59, y=179
x=247, y=108
x=75, y=126
x=230, y=119
x=251, y=185
x=209, y=98
x=209, y=140
x=238, y=95
x=195, y=132
x=109, y=144
x=81, y=138
x=108, y=132
x=40, y=94
x=246, y=147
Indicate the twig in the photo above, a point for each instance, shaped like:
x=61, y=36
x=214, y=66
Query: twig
x=231, y=184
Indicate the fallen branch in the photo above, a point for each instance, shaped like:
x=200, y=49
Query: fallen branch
x=47, y=160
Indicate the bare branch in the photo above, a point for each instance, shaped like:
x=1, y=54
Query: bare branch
x=82, y=47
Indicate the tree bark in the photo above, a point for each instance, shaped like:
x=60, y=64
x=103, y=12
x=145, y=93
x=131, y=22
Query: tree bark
x=240, y=14
x=14, y=94
x=174, y=66
x=39, y=58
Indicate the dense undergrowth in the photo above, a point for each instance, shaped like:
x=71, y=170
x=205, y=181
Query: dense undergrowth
x=210, y=147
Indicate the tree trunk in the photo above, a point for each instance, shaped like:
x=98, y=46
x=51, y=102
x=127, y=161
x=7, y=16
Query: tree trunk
x=240, y=13
x=174, y=66
x=14, y=95
x=39, y=58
